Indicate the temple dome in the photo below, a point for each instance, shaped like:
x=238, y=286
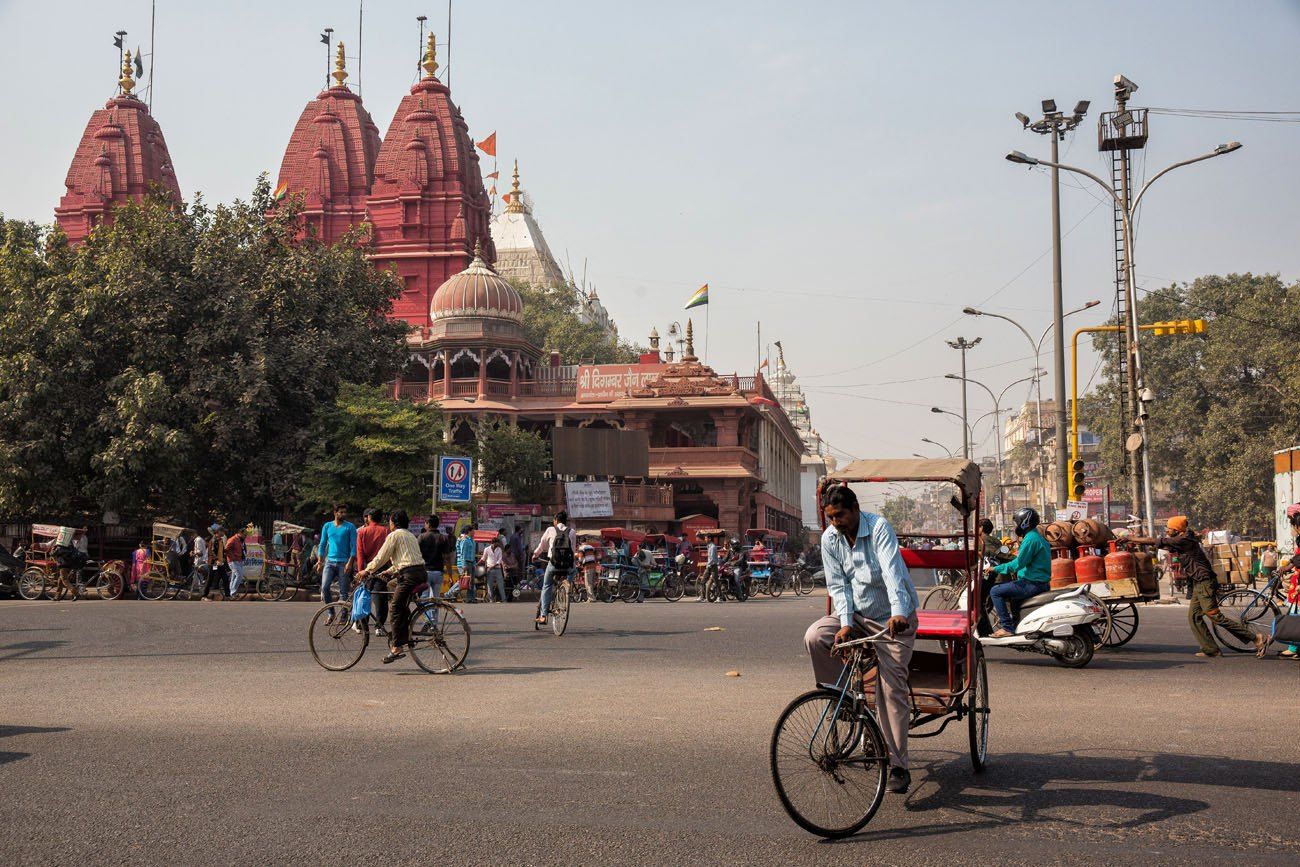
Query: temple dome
x=477, y=292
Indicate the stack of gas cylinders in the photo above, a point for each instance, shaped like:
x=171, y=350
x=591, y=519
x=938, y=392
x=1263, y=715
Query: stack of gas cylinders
x=1077, y=553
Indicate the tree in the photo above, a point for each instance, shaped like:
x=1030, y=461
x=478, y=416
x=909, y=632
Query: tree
x=552, y=322
x=1224, y=400
x=372, y=450
x=515, y=459
x=172, y=363
x=903, y=512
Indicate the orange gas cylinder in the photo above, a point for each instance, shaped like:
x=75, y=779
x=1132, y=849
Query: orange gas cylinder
x=1062, y=568
x=1089, y=567
x=1120, y=564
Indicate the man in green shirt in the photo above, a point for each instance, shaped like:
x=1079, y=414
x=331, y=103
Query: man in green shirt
x=1032, y=568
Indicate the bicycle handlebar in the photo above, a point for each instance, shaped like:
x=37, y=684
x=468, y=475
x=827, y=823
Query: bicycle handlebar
x=881, y=635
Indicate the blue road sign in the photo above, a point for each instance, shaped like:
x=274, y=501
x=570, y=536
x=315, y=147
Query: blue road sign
x=453, y=479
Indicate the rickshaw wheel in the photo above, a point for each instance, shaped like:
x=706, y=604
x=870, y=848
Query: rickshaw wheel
x=153, y=586
x=1123, y=624
x=977, y=713
x=288, y=592
x=941, y=598
x=270, y=588
x=32, y=584
x=673, y=588
x=110, y=583
x=834, y=770
x=628, y=588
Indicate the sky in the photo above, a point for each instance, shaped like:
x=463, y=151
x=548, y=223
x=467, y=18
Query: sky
x=834, y=171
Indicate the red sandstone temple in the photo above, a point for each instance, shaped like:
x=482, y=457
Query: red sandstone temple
x=721, y=447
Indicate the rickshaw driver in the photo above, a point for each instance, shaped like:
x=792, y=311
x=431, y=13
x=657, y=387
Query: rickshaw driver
x=868, y=584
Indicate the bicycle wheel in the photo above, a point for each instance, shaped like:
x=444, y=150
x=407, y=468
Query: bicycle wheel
x=439, y=637
x=31, y=584
x=108, y=584
x=559, y=613
x=977, y=713
x=775, y=586
x=287, y=592
x=334, y=644
x=673, y=588
x=1123, y=624
x=941, y=598
x=1255, y=610
x=829, y=767
x=270, y=587
x=152, y=586
x=804, y=584
x=628, y=587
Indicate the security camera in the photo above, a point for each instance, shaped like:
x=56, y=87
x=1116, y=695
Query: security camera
x=1122, y=83
x=1147, y=395
x=1143, y=413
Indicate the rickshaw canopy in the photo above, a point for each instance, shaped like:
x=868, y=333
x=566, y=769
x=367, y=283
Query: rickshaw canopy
x=958, y=471
x=167, y=531
x=285, y=527
x=757, y=533
x=618, y=534
x=711, y=533
x=51, y=531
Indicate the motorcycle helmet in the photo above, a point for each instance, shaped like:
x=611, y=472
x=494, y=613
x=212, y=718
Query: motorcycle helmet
x=1025, y=520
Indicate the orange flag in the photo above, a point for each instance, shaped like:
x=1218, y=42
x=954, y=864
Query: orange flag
x=506, y=198
x=494, y=175
x=489, y=145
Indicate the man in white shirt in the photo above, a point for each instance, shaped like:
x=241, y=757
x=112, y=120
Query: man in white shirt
x=402, y=550
x=557, y=546
x=492, y=559
x=200, y=553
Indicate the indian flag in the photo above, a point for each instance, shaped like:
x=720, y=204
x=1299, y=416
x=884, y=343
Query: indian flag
x=699, y=299
x=281, y=191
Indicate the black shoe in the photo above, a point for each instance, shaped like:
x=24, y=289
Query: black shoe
x=900, y=780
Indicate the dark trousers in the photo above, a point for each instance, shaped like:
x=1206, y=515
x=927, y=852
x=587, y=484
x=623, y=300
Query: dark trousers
x=1013, y=591
x=381, y=600
x=403, y=587
x=1205, y=604
x=217, y=575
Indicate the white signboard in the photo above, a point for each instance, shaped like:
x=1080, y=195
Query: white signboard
x=1073, y=511
x=588, y=499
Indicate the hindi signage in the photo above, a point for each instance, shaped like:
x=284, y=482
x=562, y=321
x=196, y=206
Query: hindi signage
x=601, y=382
x=588, y=499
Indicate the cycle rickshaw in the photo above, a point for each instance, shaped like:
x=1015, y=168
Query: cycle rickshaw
x=827, y=756
x=283, y=569
x=43, y=574
x=664, y=575
x=766, y=572
x=621, y=578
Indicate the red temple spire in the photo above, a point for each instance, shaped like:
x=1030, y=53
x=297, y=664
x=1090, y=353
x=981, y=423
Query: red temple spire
x=121, y=156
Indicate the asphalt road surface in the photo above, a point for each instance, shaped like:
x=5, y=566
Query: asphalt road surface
x=190, y=733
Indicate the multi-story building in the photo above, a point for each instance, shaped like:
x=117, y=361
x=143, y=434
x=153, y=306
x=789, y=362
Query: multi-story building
x=816, y=461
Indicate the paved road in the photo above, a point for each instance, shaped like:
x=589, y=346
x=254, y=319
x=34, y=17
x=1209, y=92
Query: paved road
x=180, y=732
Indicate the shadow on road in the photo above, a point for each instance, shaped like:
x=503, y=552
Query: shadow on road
x=1023, y=789
x=10, y=731
x=27, y=648
x=518, y=669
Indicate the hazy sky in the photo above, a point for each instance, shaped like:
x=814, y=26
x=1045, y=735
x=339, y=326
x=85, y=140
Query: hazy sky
x=833, y=170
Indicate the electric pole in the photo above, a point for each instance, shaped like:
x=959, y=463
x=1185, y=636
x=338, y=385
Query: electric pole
x=963, y=344
x=1055, y=125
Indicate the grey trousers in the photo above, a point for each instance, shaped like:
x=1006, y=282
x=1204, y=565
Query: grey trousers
x=893, y=701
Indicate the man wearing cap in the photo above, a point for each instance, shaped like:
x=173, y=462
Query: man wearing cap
x=1181, y=541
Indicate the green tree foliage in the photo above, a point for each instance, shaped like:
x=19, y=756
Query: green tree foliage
x=1225, y=399
x=904, y=513
x=551, y=321
x=515, y=459
x=371, y=450
x=171, y=364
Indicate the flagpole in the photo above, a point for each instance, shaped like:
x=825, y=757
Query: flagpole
x=706, y=332
x=153, y=17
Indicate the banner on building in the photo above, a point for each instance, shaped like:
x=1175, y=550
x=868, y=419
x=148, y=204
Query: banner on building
x=494, y=516
x=588, y=499
x=603, y=382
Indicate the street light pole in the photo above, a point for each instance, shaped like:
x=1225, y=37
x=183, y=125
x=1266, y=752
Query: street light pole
x=1130, y=290
x=963, y=344
x=1054, y=124
x=1037, y=346
x=940, y=445
x=997, y=423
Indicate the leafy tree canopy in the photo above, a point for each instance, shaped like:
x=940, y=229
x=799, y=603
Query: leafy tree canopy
x=552, y=322
x=1225, y=399
x=172, y=363
x=515, y=459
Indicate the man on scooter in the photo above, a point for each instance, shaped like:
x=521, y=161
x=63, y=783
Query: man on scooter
x=1032, y=567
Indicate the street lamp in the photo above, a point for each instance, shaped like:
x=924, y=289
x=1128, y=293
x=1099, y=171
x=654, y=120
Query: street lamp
x=966, y=433
x=940, y=445
x=1130, y=289
x=997, y=402
x=963, y=344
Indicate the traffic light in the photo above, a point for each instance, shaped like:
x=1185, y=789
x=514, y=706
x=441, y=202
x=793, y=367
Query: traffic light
x=1180, y=326
x=1077, y=481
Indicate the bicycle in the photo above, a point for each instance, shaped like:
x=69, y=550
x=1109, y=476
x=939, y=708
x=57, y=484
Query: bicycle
x=1248, y=606
x=803, y=581
x=440, y=635
x=557, y=614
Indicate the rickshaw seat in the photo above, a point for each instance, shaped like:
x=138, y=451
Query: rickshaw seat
x=943, y=625
x=914, y=558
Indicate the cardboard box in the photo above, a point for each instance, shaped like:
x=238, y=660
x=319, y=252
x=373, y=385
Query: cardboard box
x=1243, y=551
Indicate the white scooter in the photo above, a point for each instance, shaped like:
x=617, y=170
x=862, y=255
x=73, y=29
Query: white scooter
x=1057, y=623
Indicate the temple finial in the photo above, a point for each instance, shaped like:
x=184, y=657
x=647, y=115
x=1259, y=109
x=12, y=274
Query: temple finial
x=126, y=82
x=516, y=205
x=340, y=72
x=689, y=355
x=430, y=63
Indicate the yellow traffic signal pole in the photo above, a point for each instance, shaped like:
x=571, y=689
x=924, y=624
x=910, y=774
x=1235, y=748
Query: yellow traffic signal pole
x=1183, y=326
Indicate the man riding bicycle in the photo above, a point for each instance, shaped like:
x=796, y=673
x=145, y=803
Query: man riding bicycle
x=401, y=550
x=557, y=546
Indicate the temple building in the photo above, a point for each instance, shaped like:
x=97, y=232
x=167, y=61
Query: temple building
x=428, y=205
x=121, y=156
x=330, y=159
x=522, y=252
x=816, y=461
